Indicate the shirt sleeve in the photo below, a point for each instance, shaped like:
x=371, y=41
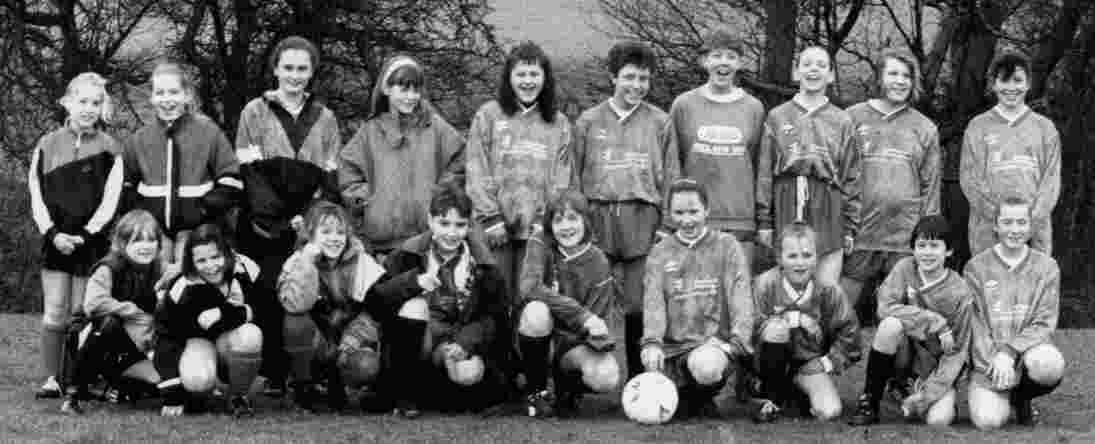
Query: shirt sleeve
x=39, y=211
x=452, y=151
x=1042, y=317
x=850, y=180
x=972, y=175
x=843, y=327
x=931, y=174
x=353, y=170
x=578, y=153
x=941, y=380
x=482, y=187
x=99, y=299
x=737, y=282
x=112, y=195
x=765, y=160
x=1049, y=189
x=654, y=316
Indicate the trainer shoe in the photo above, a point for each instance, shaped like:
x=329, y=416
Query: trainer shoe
x=241, y=407
x=407, y=409
x=71, y=404
x=766, y=412
x=49, y=390
x=866, y=412
x=540, y=404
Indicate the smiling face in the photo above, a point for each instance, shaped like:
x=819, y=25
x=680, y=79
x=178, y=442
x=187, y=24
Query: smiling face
x=632, y=84
x=721, y=66
x=897, y=81
x=688, y=213
x=569, y=228
x=142, y=249
x=930, y=254
x=449, y=231
x=293, y=71
x=798, y=259
x=1013, y=226
x=814, y=70
x=84, y=105
x=1011, y=92
x=209, y=261
x=403, y=98
x=527, y=80
x=330, y=234
x=169, y=96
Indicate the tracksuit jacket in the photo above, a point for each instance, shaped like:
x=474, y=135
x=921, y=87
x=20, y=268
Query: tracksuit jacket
x=118, y=287
x=299, y=158
x=901, y=175
x=837, y=333
x=574, y=288
x=75, y=183
x=178, y=311
x=516, y=164
x=717, y=144
x=1014, y=309
x=927, y=310
x=184, y=173
x=1002, y=158
x=809, y=163
x=697, y=290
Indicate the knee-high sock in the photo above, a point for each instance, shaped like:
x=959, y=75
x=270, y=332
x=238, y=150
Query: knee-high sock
x=406, y=365
x=300, y=334
x=880, y=368
x=243, y=367
x=535, y=362
x=774, y=358
x=633, y=333
x=53, y=346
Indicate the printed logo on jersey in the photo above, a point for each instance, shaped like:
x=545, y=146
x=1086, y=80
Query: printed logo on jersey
x=620, y=160
x=526, y=148
x=718, y=140
x=694, y=288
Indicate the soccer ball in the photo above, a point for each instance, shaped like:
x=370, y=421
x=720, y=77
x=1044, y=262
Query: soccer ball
x=650, y=398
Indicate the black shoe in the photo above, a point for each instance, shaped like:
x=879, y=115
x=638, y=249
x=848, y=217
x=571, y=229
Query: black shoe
x=275, y=389
x=567, y=404
x=71, y=404
x=336, y=396
x=407, y=410
x=305, y=395
x=241, y=407
x=899, y=389
x=866, y=412
x=1025, y=413
x=540, y=404
x=373, y=402
x=767, y=412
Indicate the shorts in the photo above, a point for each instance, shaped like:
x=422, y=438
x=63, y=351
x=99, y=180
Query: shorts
x=625, y=230
x=863, y=265
x=81, y=260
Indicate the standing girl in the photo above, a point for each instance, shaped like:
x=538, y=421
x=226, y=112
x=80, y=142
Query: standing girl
x=399, y=155
x=203, y=325
x=517, y=159
x=75, y=183
x=120, y=301
x=180, y=167
x=808, y=168
x=288, y=145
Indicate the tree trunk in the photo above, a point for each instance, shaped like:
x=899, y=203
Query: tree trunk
x=779, y=31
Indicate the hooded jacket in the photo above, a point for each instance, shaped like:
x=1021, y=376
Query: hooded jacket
x=820, y=147
x=75, y=183
x=1002, y=157
x=516, y=164
x=388, y=171
x=927, y=310
x=901, y=177
x=467, y=319
x=297, y=163
x=836, y=335
x=183, y=172
x=695, y=291
x=1016, y=308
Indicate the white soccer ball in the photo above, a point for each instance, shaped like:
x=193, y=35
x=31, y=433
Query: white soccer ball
x=650, y=398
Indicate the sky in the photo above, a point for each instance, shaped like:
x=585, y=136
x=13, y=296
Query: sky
x=564, y=28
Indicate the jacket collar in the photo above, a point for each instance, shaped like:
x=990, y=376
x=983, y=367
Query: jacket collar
x=421, y=243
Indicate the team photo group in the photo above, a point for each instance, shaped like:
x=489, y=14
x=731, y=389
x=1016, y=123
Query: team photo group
x=419, y=269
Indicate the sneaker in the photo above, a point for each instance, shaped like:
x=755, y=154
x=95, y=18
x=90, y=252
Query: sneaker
x=49, y=390
x=767, y=412
x=305, y=395
x=241, y=407
x=567, y=404
x=71, y=405
x=540, y=404
x=866, y=412
x=407, y=410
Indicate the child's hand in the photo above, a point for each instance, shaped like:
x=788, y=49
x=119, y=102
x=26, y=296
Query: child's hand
x=946, y=341
x=454, y=352
x=595, y=326
x=653, y=358
x=849, y=242
x=249, y=154
x=497, y=236
x=764, y=237
x=209, y=317
x=63, y=243
x=296, y=222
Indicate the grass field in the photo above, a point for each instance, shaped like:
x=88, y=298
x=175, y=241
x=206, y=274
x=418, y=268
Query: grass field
x=1067, y=416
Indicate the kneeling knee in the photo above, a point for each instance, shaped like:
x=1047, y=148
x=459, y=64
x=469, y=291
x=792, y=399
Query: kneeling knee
x=989, y=420
x=602, y=375
x=826, y=409
x=535, y=320
x=1045, y=364
x=939, y=419
x=416, y=309
x=888, y=335
x=707, y=365
x=246, y=338
x=776, y=331
x=467, y=372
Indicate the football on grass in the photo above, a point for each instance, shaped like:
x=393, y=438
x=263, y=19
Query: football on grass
x=649, y=398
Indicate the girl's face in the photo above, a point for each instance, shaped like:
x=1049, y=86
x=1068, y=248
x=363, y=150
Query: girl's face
x=1012, y=91
x=403, y=98
x=897, y=81
x=142, y=249
x=632, y=84
x=527, y=80
x=1013, y=226
x=814, y=70
x=169, y=97
x=688, y=213
x=330, y=234
x=721, y=65
x=210, y=262
x=568, y=227
x=930, y=254
x=449, y=231
x=84, y=105
x=798, y=259
x=293, y=71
